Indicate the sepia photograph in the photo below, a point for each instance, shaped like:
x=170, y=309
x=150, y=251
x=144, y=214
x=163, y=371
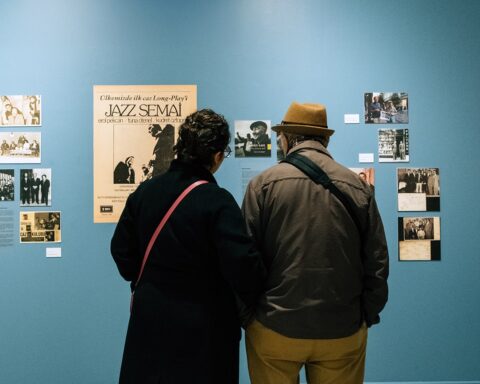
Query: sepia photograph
x=252, y=138
x=40, y=227
x=20, y=110
x=36, y=187
x=393, y=145
x=418, y=189
x=419, y=238
x=366, y=174
x=386, y=107
x=20, y=147
x=7, y=185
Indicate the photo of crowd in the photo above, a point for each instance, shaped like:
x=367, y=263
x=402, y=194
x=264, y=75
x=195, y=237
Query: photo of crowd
x=419, y=238
x=419, y=180
x=20, y=110
x=252, y=138
x=35, y=187
x=393, y=145
x=386, y=108
x=20, y=147
x=40, y=227
x=7, y=185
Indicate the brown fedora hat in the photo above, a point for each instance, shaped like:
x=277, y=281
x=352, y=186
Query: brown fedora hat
x=305, y=119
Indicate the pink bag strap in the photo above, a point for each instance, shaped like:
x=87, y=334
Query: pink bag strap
x=163, y=221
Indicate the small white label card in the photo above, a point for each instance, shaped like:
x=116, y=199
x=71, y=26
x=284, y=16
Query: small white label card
x=351, y=118
x=53, y=252
x=365, y=157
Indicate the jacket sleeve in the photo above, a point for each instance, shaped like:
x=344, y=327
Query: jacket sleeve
x=124, y=245
x=375, y=265
x=251, y=208
x=240, y=263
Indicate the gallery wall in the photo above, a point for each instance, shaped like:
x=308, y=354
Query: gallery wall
x=63, y=320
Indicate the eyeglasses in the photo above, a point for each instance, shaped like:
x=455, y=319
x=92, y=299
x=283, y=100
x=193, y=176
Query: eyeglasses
x=227, y=151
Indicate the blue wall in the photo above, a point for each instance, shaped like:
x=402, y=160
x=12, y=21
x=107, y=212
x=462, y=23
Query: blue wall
x=64, y=320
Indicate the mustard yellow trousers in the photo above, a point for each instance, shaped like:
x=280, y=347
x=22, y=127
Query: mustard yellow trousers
x=277, y=359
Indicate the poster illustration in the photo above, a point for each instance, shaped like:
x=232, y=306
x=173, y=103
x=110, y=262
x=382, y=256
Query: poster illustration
x=20, y=147
x=40, y=227
x=418, y=189
x=35, y=187
x=393, y=145
x=418, y=238
x=7, y=185
x=252, y=138
x=20, y=110
x=386, y=107
x=134, y=131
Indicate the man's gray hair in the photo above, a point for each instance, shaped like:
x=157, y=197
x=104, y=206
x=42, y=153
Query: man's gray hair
x=294, y=140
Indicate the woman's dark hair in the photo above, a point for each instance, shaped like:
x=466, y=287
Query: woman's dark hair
x=203, y=134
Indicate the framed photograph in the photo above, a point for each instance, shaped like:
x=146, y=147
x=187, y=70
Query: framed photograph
x=253, y=138
x=393, y=145
x=7, y=185
x=35, y=187
x=386, y=107
x=40, y=227
x=418, y=189
x=23, y=147
x=20, y=110
x=419, y=238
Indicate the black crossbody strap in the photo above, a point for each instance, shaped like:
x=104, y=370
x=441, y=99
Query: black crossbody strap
x=318, y=176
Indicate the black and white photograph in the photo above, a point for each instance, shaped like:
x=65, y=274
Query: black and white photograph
x=7, y=185
x=386, y=107
x=36, y=187
x=20, y=147
x=419, y=238
x=40, y=227
x=418, y=189
x=393, y=145
x=366, y=174
x=253, y=138
x=20, y=110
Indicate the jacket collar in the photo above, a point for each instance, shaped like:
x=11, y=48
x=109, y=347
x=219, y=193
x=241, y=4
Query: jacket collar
x=310, y=144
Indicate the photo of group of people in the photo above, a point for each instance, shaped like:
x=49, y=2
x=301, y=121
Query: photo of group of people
x=393, y=145
x=418, y=189
x=419, y=238
x=20, y=110
x=35, y=187
x=40, y=227
x=20, y=147
x=7, y=184
x=252, y=138
x=132, y=164
x=386, y=107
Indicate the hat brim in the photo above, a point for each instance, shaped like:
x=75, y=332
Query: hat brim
x=307, y=130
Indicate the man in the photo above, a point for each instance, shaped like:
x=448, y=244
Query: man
x=123, y=172
x=44, y=189
x=327, y=277
x=163, y=150
x=374, y=110
x=260, y=143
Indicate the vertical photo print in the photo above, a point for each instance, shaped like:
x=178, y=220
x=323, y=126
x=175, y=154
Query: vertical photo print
x=40, y=227
x=393, y=145
x=386, y=107
x=20, y=110
x=418, y=189
x=7, y=185
x=35, y=187
x=366, y=174
x=418, y=238
x=23, y=147
x=253, y=138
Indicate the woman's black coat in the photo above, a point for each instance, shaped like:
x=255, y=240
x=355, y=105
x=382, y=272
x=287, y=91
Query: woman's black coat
x=184, y=326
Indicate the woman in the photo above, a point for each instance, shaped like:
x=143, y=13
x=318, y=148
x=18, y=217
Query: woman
x=184, y=325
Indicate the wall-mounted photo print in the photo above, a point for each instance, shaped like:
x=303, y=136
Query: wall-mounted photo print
x=418, y=189
x=386, y=107
x=40, y=227
x=418, y=238
x=35, y=187
x=252, y=138
x=393, y=145
x=20, y=110
x=366, y=174
x=23, y=147
x=7, y=185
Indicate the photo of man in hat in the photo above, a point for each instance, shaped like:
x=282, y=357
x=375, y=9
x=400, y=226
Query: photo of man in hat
x=252, y=139
x=324, y=246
